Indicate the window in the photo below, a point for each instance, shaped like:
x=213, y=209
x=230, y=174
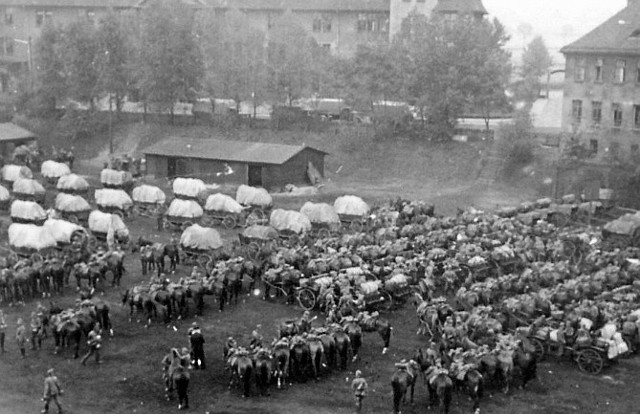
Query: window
x=580, y=70
x=617, y=115
x=42, y=16
x=322, y=24
x=636, y=116
x=619, y=75
x=576, y=111
x=372, y=23
x=6, y=46
x=91, y=16
x=598, y=75
x=8, y=17
x=317, y=25
x=596, y=112
x=593, y=146
x=326, y=46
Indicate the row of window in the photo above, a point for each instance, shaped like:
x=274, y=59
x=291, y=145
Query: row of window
x=598, y=75
x=365, y=23
x=617, y=112
x=614, y=147
x=41, y=16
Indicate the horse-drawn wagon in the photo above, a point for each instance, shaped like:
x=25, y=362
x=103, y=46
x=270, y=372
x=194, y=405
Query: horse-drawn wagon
x=200, y=245
x=258, y=239
x=29, y=240
x=398, y=287
x=373, y=289
x=28, y=189
x=352, y=211
x=72, y=207
x=148, y=200
x=258, y=202
x=66, y=233
x=72, y=184
x=105, y=227
x=323, y=217
x=182, y=213
x=188, y=188
x=223, y=209
x=12, y=172
x=5, y=198
x=309, y=293
x=290, y=224
x=116, y=179
x=115, y=201
x=27, y=212
x=51, y=171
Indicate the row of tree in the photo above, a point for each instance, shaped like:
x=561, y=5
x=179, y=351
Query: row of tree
x=443, y=67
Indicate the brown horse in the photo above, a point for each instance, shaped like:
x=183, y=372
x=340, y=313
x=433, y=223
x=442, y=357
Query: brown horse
x=402, y=381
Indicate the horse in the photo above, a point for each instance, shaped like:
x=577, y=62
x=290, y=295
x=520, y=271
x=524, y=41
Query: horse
x=282, y=356
x=196, y=291
x=179, y=300
x=139, y=302
x=91, y=273
x=343, y=345
x=402, y=381
x=328, y=348
x=177, y=378
x=440, y=391
x=234, y=281
x=316, y=354
x=525, y=362
x=65, y=333
x=172, y=251
x=164, y=298
x=56, y=273
x=242, y=369
x=263, y=365
x=377, y=324
x=355, y=336
x=474, y=382
x=300, y=358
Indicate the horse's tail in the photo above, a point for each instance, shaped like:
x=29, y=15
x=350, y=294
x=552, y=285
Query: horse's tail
x=445, y=394
x=398, y=392
x=246, y=380
x=263, y=374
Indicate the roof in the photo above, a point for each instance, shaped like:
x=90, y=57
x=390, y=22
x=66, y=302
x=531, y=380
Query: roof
x=71, y=3
x=226, y=150
x=460, y=6
x=614, y=36
x=12, y=132
x=299, y=5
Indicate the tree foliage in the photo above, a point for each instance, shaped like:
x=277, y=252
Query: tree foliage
x=536, y=62
x=113, y=58
x=49, y=86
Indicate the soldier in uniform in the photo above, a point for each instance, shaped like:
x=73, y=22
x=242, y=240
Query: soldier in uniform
x=94, y=342
x=256, y=340
x=52, y=391
x=36, y=327
x=21, y=338
x=196, y=341
x=359, y=386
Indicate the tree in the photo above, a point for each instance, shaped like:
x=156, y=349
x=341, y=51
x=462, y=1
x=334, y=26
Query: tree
x=536, y=62
x=79, y=54
x=49, y=68
x=113, y=59
x=170, y=61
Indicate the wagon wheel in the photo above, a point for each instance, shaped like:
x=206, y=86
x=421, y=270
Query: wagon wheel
x=203, y=260
x=211, y=264
x=13, y=256
x=577, y=256
x=138, y=209
x=186, y=225
x=539, y=351
x=590, y=361
x=306, y=299
x=36, y=258
x=154, y=211
x=92, y=242
x=166, y=224
x=324, y=234
x=207, y=221
x=294, y=240
x=560, y=219
x=229, y=222
x=255, y=217
x=119, y=213
x=253, y=250
x=356, y=226
x=73, y=218
x=387, y=301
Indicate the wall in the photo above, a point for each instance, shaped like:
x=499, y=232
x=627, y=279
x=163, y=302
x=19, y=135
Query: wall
x=400, y=9
x=206, y=170
x=293, y=171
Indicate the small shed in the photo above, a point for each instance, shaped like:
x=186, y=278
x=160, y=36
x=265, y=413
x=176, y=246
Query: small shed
x=257, y=164
x=12, y=136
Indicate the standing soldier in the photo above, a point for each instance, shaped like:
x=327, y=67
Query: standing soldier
x=94, y=342
x=21, y=338
x=3, y=329
x=359, y=386
x=196, y=341
x=36, y=326
x=51, y=391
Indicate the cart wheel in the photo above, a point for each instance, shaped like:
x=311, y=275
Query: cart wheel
x=92, y=242
x=207, y=221
x=356, y=226
x=211, y=264
x=387, y=301
x=203, y=260
x=539, y=348
x=255, y=217
x=324, y=234
x=253, y=249
x=13, y=256
x=306, y=299
x=560, y=219
x=73, y=218
x=186, y=225
x=229, y=222
x=166, y=224
x=119, y=214
x=294, y=240
x=36, y=258
x=590, y=361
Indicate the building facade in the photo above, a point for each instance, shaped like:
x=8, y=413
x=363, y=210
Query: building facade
x=601, y=102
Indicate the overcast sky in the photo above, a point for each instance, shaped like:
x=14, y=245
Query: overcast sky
x=558, y=21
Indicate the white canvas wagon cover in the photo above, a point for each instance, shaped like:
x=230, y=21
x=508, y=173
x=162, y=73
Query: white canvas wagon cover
x=253, y=196
x=289, y=220
x=351, y=205
x=27, y=210
x=188, y=187
x=61, y=230
x=320, y=212
x=4, y=194
x=201, y=238
x=54, y=169
x=260, y=232
x=625, y=225
x=100, y=222
x=27, y=186
x=12, y=172
x=110, y=197
x=148, y=194
x=72, y=182
x=30, y=236
x=70, y=203
x=222, y=202
x=115, y=177
x=184, y=208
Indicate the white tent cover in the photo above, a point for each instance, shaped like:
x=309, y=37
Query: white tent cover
x=54, y=169
x=260, y=232
x=184, y=208
x=320, y=212
x=289, y=220
x=27, y=186
x=110, y=197
x=30, y=236
x=222, y=202
x=188, y=187
x=100, y=222
x=71, y=203
x=351, y=205
x=12, y=172
x=72, y=182
x=61, y=230
x=148, y=194
x=202, y=238
x=27, y=210
x=253, y=196
x=114, y=177
x=4, y=194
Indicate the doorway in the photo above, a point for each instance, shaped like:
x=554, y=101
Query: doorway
x=171, y=167
x=254, y=178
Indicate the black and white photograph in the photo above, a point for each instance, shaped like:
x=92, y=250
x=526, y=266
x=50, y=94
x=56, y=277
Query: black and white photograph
x=319, y=206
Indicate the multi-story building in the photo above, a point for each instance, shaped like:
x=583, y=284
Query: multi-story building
x=601, y=103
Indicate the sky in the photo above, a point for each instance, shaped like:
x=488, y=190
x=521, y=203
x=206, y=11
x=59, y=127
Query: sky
x=559, y=22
